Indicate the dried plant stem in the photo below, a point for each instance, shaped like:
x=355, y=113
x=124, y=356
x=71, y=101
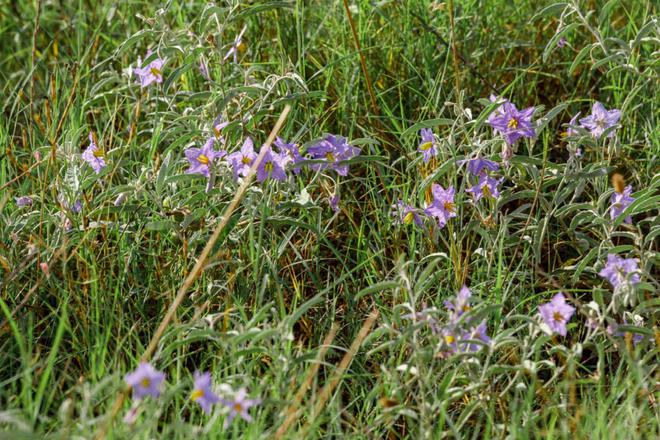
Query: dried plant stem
x=292, y=410
x=328, y=389
x=198, y=268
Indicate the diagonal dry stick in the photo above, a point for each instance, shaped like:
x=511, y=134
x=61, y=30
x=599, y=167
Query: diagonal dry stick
x=328, y=389
x=198, y=268
x=292, y=410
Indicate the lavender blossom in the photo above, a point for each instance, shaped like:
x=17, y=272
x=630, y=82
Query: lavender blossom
x=513, y=123
x=242, y=160
x=94, y=156
x=334, y=202
x=202, y=392
x=443, y=207
x=335, y=150
x=561, y=43
x=240, y=406
x=620, y=271
x=477, y=333
x=23, y=201
x=407, y=214
x=486, y=187
x=145, y=381
x=459, y=305
x=557, y=313
x=478, y=164
x=620, y=201
x=572, y=126
x=201, y=159
x=600, y=120
x=290, y=152
x=429, y=146
x=272, y=166
x=150, y=73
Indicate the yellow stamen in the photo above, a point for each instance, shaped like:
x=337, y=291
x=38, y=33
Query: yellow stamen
x=330, y=156
x=238, y=407
x=196, y=395
x=426, y=146
x=486, y=191
x=408, y=219
x=466, y=308
x=246, y=160
x=450, y=339
x=98, y=153
x=513, y=123
x=557, y=317
x=145, y=382
x=268, y=167
x=449, y=206
x=155, y=72
x=203, y=159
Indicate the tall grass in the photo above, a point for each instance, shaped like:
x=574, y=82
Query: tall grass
x=287, y=270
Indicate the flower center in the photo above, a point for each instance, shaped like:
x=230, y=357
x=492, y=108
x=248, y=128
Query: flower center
x=246, y=160
x=450, y=339
x=155, y=72
x=426, y=146
x=98, y=153
x=486, y=191
x=238, y=407
x=513, y=123
x=408, y=218
x=197, y=394
x=466, y=308
x=557, y=317
x=330, y=156
x=449, y=206
x=268, y=167
x=203, y=159
x=145, y=382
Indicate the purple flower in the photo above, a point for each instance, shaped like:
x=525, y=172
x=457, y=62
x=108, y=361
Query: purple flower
x=145, y=381
x=561, y=42
x=407, y=214
x=513, y=123
x=425, y=315
x=240, y=406
x=428, y=147
x=201, y=159
x=272, y=166
x=572, y=125
x=235, y=46
x=487, y=187
x=23, y=201
x=476, y=165
x=620, y=201
x=600, y=120
x=459, y=305
x=150, y=73
x=334, y=149
x=450, y=338
x=290, y=153
x=443, y=207
x=477, y=333
x=242, y=160
x=334, y=202
x=557, y=313
x=202, y=392
x=93, y=155
x=619, y=270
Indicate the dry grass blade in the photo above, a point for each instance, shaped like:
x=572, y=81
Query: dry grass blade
x=328, y=389
x=292, y=410
x=199, y=265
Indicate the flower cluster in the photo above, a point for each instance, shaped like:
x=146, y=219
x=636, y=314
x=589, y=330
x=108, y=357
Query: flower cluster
x=461, y=334
x=146, y=381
